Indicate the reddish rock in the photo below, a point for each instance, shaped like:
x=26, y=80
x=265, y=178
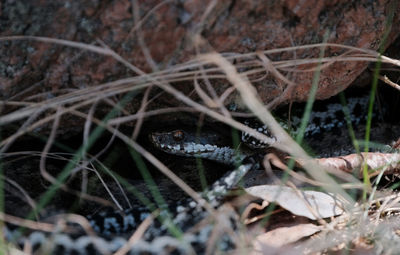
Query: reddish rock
x=39, y=70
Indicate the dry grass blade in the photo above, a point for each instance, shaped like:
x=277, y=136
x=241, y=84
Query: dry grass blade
x=270, y=67
x=46, y=227
x=46, y=149
x=142, y=109
x=203, y=95
x=24, y=194
x=147, y=114
x=389, y=82
x=249, y=97
x=245, y=214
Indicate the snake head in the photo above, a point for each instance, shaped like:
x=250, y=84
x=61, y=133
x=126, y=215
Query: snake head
x=171, y=142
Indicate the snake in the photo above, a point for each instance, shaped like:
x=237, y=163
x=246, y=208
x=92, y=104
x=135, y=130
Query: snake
x=112, y=227
x=157, y=239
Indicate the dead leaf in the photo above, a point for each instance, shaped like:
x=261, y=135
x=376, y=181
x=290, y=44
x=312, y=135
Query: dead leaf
x=285, y=235
x=311, y=204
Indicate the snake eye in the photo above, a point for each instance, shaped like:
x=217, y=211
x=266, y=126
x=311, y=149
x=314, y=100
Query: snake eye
x=178, y=135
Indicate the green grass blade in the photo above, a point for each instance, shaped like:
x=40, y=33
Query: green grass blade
x=165, y=215
x=375, y=78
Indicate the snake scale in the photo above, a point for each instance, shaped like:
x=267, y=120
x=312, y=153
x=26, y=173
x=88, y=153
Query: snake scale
x=157, y=239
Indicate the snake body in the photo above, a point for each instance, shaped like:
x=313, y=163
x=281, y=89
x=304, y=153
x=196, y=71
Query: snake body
x=157, y=239
x=326, y=118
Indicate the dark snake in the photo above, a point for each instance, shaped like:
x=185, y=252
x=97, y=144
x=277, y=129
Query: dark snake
x=183, y=215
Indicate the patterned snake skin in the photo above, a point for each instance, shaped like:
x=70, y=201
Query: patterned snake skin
x=157, y=239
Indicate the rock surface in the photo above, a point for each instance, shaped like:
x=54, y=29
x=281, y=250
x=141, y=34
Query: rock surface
x=165, y=35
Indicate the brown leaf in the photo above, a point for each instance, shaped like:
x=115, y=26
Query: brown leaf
x=284, y=235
